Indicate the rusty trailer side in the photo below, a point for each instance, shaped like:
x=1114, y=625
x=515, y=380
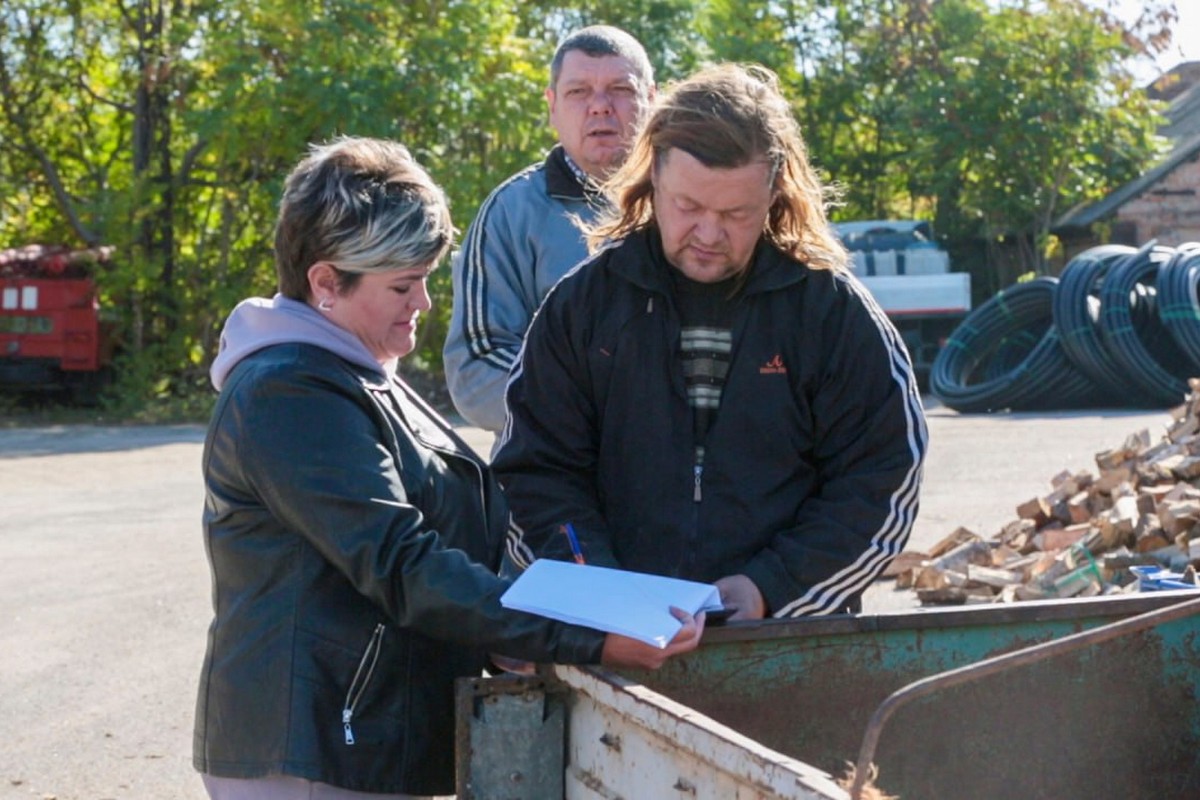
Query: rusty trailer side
x=585, y=734
x=775, y=708
x=1118, y=719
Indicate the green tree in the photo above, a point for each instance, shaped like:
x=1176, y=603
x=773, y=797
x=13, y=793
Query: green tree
x=165, y=127
x=989, y=117
x=165, y=130
x=1038, y=114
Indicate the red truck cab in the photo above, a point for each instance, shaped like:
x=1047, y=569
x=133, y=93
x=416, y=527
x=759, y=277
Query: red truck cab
x=51, y=334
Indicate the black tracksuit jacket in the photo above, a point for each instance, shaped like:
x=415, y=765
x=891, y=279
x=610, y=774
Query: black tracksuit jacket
x=812, y=466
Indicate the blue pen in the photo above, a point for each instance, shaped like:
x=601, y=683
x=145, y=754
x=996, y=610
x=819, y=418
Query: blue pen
x=569, y=530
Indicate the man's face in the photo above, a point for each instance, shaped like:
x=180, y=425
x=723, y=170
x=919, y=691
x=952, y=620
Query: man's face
x=595, y=108
x=710, y=219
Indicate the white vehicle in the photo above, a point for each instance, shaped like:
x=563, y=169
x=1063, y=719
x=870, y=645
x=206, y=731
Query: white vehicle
x=909, y=275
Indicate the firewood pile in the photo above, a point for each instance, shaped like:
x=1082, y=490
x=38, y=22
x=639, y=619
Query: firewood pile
x=1096, y=533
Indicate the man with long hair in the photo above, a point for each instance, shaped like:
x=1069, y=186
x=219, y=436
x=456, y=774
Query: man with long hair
x=712, y=395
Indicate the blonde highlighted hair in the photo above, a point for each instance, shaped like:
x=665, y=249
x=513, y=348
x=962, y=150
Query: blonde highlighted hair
x=728, y=116
x=363, y=205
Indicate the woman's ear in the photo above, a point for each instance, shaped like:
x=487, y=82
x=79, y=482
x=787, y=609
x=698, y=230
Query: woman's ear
x=322, y=284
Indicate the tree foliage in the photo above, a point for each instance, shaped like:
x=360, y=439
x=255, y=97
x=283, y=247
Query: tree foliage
x=992, y=118
x=165, y=127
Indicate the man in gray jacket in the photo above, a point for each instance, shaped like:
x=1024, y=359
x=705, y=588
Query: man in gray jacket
x=525, y=236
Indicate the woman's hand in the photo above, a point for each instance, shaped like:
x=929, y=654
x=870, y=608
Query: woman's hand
x=621, y=651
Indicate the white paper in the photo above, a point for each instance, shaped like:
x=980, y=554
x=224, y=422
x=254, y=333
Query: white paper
x=633, y=604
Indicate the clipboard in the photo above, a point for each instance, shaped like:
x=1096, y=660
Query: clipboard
x=633, y=604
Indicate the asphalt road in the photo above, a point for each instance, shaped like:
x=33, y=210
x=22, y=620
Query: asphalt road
x=104, y=586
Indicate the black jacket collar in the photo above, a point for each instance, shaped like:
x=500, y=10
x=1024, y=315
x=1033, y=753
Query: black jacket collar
x=561, y=180
x=643, y=262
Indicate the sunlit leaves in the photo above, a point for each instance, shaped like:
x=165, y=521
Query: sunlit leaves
x=990, y=115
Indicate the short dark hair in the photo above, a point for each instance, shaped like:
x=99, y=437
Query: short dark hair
x=603, y=40
x=363, y=205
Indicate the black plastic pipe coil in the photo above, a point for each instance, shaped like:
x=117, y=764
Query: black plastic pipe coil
x=1077, y=314
x=1179, y=300
x=1015, y=332
x=1121, y=326
x=1159, y=375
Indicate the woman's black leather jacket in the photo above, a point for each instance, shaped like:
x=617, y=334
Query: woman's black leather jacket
x=352, y=538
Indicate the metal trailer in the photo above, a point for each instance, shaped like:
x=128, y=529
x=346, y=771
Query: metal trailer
x=1089, y=698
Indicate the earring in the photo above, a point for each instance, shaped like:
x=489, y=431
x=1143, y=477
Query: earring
x=326, y=304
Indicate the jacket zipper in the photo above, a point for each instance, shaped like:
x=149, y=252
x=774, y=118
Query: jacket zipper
x=355, y=692
x=698, y=472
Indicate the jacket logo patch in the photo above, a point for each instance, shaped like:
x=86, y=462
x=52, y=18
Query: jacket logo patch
x=773, y=367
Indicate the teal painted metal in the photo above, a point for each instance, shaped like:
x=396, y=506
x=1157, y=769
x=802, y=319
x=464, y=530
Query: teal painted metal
x=1120, y=719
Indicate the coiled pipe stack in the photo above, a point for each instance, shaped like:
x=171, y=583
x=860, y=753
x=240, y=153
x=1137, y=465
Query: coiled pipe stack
x=1120, y=327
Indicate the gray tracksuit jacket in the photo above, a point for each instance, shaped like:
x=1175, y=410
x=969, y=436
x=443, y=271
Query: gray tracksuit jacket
x=523, y=240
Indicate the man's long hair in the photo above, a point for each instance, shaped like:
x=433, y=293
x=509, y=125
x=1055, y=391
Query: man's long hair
x=726, y=117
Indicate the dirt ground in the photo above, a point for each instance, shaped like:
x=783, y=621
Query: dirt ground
x=104, y=588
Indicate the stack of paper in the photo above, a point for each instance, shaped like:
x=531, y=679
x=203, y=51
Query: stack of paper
x=632, y=604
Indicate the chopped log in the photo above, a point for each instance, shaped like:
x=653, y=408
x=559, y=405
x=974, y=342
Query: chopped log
x=1030, y=592
x=1064, y=485
x=1135, y=444
x=1054, y=539
x=1058, y=480
x=1022, y=564
x=1017, y=534
x=959, y=536
x=955, y=578
x=1037, y=510
x=1114, y=530
x=904, y=562
x=1125, y=514
x=1178, y=516
x=955, y=595
x=1049, y=568
x=1149, y=535
x=1182, y=491
x=1187, y=468
x=929, y=578
x=945, y=596
x=1151, y=539
x=1151, y=474
x=1078, y=507
x=1002, y=553
x=992, y=576
x=971, y=552
x=1110, y=479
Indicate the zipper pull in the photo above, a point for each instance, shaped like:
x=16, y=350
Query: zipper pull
x=347, y=714
x=699, y=470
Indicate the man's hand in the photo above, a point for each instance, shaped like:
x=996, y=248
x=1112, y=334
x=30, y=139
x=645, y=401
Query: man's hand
x=621, y=651
x=741, y=593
